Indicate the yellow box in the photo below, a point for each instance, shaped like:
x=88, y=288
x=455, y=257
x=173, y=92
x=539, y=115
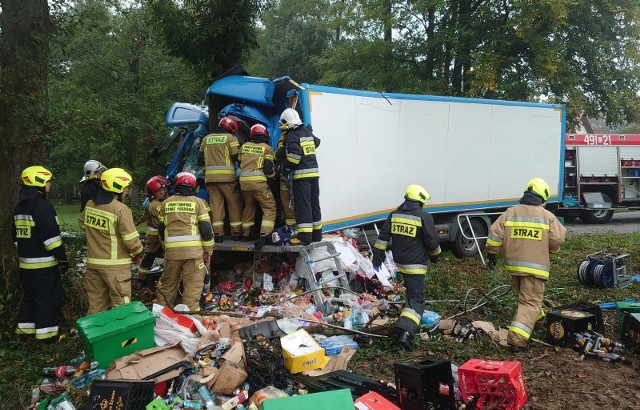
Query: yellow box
x=301, y=352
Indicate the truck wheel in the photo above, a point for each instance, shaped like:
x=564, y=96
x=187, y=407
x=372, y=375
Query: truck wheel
x=463, y=247
x=599, y=216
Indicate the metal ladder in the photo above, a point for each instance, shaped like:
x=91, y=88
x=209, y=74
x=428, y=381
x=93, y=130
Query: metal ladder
x=309, y=276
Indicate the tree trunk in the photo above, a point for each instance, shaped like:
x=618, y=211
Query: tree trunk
x=24, y=53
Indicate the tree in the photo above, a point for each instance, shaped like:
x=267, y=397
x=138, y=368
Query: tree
x=25, y=30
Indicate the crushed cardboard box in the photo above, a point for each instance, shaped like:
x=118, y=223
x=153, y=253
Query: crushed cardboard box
x=142, y=364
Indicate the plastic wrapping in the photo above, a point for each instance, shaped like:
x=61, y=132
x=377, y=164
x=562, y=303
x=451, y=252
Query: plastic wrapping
x=333, y=345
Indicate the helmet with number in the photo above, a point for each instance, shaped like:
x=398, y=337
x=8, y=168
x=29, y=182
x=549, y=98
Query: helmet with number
x=258, y=133
x=186, y=178
x=289, y=119
x=90, y=168
x=156, y=183
x=229, y=124
x=539, y=187
x=115, y=180
x=417, y=193
x=36, y=176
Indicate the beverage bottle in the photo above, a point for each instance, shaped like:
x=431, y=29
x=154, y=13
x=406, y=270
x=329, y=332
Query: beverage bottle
x=59, y=372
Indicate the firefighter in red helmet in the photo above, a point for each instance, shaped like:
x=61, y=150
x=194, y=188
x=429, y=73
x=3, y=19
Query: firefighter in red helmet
x=156, y=193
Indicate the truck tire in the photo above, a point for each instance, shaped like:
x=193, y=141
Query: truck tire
x=598, y=216
x=463, y=247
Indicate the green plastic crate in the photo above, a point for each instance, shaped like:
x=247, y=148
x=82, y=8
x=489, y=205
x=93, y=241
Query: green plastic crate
x=621, y=307
x=118, y=332
x=328, y=400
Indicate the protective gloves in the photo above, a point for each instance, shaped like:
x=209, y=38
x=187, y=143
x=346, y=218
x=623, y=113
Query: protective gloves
x=137, y=259
x=434, y=258
x=491, y=260
x=63, y=265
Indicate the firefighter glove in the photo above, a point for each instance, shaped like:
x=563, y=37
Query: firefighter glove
x=138, y=258
x=491, y=260
x=206, y=259
x=64, y=266
x=434, y=258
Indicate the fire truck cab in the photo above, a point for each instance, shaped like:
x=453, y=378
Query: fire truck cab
x=601, y=175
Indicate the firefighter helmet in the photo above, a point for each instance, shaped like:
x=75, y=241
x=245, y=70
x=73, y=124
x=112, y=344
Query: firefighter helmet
x=539, y=187
x=417, y=193
x=90, y=168
x=156, y=183
x=258, y=131
x=115, y=180
x=186, y=178
x=289, y=119
x=229, y=124
x=36, y=176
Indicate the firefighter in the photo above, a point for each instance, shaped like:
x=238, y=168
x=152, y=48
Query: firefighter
x=528, y=233
x=156, y=192
x=414, y=239
x=112, y=240
x=286, y=196
x=185, y=228
x=90, y=181
x=256, y=165
x=218, y=155
x=300, y=148
x=42, y=256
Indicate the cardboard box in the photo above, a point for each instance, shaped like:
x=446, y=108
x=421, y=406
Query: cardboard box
x=235, y=354
x=148, y=362
x=329, y=400
x=115, y=333
x=228, y=378
x=562, y=325
x=374, y=401
x=301, y=352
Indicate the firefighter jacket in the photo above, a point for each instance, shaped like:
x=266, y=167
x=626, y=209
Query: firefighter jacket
x=111, y=234
x=256, y=165
x=36, y=233
x=527, y=233
x=218, y=153
x=300, y=148
x=413, y=238
x=152, y=217
x=89, y=190
x=185, y=227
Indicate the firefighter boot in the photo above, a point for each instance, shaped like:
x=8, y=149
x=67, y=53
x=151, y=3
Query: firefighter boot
x=406, y=341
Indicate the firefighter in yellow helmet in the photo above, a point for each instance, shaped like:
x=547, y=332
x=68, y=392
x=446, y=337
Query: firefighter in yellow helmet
x=41, y=254
x=411, y=233
x=185, y=228
x=112, y=240
x=527, y=233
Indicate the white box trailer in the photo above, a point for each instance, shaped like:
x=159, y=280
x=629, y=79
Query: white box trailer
x=472, y=155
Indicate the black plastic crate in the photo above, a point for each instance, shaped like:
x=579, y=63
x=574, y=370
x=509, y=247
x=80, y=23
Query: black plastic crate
x=120, y=394
x=630, y=334
x=563, y=325
x=589, y=308
x=425, y=384
x=265, y=364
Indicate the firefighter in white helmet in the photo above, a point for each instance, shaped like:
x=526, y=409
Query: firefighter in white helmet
x=527, y=233
x=112, y=241
x=185, y=228
x=412, y=234
x=90, y=181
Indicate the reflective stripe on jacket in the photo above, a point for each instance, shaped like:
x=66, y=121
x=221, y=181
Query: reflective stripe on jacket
x=253, y=157
x=180, y=216
x=111, y=234
x=300, y=153
x=528, y=233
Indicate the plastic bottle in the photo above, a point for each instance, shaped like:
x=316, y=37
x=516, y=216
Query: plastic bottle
x=206, y=396
x=357, y=318
x=59, y=372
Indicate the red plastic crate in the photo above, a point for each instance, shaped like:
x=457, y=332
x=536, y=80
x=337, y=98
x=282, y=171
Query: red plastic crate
x=494, y=384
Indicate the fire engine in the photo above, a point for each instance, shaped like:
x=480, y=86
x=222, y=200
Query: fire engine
x=601, y=175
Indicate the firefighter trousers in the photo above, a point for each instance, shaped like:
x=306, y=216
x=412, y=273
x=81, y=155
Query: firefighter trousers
x=264, y=197
x=306, y=191
x=39, y=313
x=287, y=201
x=411, y=314
x=530, y=294
x=191, y=272
x=107, y=288
x=219, y=193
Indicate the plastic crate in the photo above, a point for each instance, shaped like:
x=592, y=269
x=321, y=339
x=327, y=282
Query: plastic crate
x=631, y=331
x=424, y=384
x=493, y=384
x=265, y=363
x=622, y=307
x=116, y=394
x=589, y=308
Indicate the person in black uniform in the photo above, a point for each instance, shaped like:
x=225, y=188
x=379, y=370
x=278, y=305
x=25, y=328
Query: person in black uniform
x=413, y=238
x=41, y=254
x=299, y=149
x=90, y=181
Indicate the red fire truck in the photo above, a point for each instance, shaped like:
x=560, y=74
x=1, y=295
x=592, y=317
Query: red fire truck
x=601, y=175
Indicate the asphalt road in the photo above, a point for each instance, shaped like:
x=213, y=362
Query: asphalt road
x=622, y=222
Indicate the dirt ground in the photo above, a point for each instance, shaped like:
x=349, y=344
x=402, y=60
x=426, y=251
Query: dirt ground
x=558, y=378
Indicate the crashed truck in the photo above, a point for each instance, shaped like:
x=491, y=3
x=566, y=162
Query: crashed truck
x=474, y=156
